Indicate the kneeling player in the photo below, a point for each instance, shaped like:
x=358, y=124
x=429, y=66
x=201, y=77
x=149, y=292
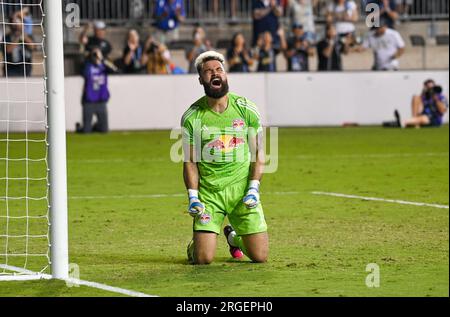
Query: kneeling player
x=223, y=168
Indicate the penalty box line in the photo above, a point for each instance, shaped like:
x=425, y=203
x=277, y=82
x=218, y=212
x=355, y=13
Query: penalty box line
x=396, y=201
x=27, y=275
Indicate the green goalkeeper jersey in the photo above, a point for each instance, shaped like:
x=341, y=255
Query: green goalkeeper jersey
x=220, y=140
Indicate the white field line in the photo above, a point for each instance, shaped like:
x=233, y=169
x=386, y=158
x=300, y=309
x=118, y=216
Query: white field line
x=373, y=155
x=28, y=275
x=403, y=202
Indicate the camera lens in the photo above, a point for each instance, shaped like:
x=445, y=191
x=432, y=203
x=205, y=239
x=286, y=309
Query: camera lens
x=437, y=89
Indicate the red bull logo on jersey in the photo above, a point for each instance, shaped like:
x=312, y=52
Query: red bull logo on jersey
x=205, y=218
x=235, y=142
x=226, y=143
x=238, y=124
x=216, y=145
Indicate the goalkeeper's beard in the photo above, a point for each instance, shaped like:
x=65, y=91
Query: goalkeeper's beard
x=216, y=93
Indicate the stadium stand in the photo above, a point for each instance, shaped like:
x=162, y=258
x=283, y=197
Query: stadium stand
x=423, y=19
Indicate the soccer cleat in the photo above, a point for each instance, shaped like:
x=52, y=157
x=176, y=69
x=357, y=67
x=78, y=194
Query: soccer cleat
x=235, y=252
x=397, y=118
x=190, y=252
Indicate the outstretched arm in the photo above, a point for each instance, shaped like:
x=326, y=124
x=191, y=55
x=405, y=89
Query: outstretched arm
x=387, y=9
x=83, y=38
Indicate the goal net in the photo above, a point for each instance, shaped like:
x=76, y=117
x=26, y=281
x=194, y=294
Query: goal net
x=24, y=143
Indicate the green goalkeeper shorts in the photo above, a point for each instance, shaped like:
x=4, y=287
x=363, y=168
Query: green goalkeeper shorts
x=228, y=202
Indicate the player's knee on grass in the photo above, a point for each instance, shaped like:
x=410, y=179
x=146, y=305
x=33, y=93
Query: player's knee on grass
x=260, y=256
x=204, y=258
x=257, y=247
x=205, y=247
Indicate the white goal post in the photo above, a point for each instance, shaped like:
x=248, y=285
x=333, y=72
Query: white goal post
x=20, y=213
x=57, y=139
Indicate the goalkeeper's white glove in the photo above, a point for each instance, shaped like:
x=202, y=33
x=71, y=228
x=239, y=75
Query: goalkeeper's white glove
x=251, y=199
x=196, y=207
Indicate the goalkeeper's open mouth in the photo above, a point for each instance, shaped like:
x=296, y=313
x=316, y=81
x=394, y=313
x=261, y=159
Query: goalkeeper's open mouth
x=216, y=83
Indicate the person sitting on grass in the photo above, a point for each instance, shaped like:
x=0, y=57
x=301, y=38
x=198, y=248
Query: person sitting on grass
x=429, y=108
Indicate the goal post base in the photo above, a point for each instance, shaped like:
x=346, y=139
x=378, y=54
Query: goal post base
x=20, y=274
x=19, y=278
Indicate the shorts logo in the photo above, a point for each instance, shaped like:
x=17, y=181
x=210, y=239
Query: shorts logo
x=205, y=219
x=238, y=124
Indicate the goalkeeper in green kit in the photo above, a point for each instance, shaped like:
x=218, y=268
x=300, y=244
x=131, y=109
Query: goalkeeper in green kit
x=223, y=166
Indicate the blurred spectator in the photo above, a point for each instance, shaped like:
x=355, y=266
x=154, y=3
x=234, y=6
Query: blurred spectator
x=24, y=16
x=238, y=56
x=300, y=12
x=330, y=50
x=156, y=57
x=403, y=7
x=233, y=4
x=200, y=45
x=265, y=18
x=429, y=108
x=17, y=49
x=168, y=15
x=387, y=45
x=136, y=9
x=266, y=54
x=95, y=93
x=320, y=7
x=298, y=50
x=133, y=54
x=344, y=14
x=98, y=40
x=387, y=11
x=176, y=70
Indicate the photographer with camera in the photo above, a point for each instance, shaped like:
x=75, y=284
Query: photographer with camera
x=429, y=108
x=95, y=93
x=98, y=39
x=330, y=50
x=156, y=57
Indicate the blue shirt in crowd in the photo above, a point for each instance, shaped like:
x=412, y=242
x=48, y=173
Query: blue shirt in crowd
x=165, y=12
x=392, y=5
x=268, y=23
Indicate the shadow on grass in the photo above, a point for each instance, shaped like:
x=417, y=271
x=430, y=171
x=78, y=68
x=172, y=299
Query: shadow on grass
x=139, y=259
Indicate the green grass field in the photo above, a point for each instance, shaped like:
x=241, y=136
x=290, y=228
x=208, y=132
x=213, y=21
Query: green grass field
x=320, y=245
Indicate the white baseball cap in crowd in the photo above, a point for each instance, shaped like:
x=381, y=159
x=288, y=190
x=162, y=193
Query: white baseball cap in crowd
x=99, y=25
